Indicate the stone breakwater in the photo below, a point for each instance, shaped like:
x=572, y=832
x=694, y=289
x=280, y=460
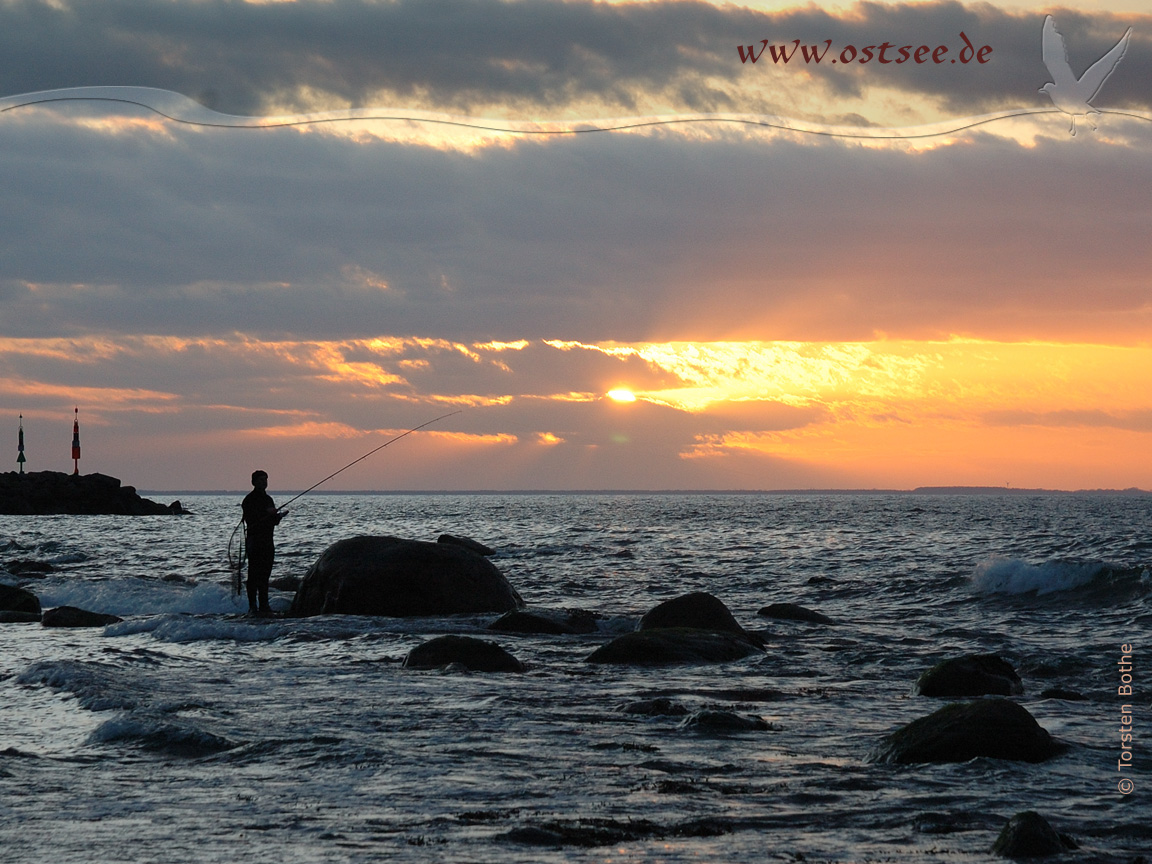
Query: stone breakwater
x=46, y=493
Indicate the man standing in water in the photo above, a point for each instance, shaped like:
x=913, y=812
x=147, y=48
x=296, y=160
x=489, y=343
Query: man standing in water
x=261, y=518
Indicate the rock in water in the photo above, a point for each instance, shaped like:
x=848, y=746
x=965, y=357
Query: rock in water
x=994, y=728
x=970, y=676
x=710, y=720
x=402, y=578
x=474, y=654
x=794, y=612
x=40, y=493
x=1028, y=835
x=13, y=599
x=546, y=621
x=70, y=616
x=673, y=645
x=698, y=610
x=692, y=628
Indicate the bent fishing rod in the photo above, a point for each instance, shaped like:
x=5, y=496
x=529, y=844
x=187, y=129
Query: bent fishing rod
x=236, y=549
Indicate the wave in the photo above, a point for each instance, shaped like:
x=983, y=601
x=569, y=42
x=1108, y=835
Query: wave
x=166, y=736
x=186, y=628
x=1016, y=576
x=129, y=596
x=97, y=687
x=180, y=109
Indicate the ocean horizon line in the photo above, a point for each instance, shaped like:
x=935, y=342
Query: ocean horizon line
x=919, y=490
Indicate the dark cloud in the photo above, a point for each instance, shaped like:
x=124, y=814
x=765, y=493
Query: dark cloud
x=537, y=56
x=283, y=234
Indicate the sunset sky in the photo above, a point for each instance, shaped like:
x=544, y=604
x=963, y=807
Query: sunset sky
x=769, y=308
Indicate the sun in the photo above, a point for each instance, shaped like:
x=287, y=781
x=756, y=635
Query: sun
x=622, y=395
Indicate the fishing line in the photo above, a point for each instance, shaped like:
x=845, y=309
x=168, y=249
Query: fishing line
x=236, y=550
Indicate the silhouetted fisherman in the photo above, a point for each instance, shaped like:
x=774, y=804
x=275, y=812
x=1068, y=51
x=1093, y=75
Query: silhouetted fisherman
x=261, y=518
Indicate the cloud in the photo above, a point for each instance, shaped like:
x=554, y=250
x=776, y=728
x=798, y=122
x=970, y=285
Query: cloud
x=539, y=57
x=677, y=234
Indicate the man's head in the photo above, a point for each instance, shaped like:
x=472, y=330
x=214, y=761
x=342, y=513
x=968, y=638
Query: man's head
x=260, y=479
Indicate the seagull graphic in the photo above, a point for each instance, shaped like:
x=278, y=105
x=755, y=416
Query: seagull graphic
x=1069, y=94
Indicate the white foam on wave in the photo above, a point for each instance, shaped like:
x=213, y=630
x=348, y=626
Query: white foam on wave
x=96, y=686
x=187, y=628
x=127, y=597
x=1015, y=576
x=174, y=737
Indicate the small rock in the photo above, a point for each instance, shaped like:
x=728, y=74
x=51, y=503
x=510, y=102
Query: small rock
x=28, y=566
x=1028, y=835
x=993, y=728
x=723, y=721
x=674, y=645
x=793, y=612
x=70, y=616
x=698, y=610
x=548, y=622
x=661, y=706
x=474, y=654
x=970, y=676
x=13, y=599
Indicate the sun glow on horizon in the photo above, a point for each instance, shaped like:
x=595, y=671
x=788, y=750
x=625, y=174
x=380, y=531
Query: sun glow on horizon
x=881, y=414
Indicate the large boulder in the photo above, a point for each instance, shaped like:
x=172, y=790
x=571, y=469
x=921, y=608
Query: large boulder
x=473, y=654
x=970, y=676
x=993, y=728
x=401, y=578
x=1028, y=835
x=699, y=611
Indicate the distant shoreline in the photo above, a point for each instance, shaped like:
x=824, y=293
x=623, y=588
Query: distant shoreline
x=919, y=490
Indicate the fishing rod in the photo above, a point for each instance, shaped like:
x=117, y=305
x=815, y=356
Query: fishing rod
x=236, y=543
x=369, y=453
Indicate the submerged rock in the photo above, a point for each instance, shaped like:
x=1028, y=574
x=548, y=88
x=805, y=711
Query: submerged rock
x=1028, y=835
x=970, y=676
x=19, y=617
x=71, y=616
x=661, y=706
x=546, y=621
x=402, y=578
x=674, y=645
x=993, y=728
x=794, y=612
x=1063, y=694
x=42, y=493
x=28, y=567
x=476, y=655
x=13, y=599
x=699, y=611
x=710, y=720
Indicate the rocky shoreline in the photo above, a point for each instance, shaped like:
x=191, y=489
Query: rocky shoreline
x=54, y=493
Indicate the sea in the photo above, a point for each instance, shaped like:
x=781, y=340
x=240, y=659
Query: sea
x=188, y=733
